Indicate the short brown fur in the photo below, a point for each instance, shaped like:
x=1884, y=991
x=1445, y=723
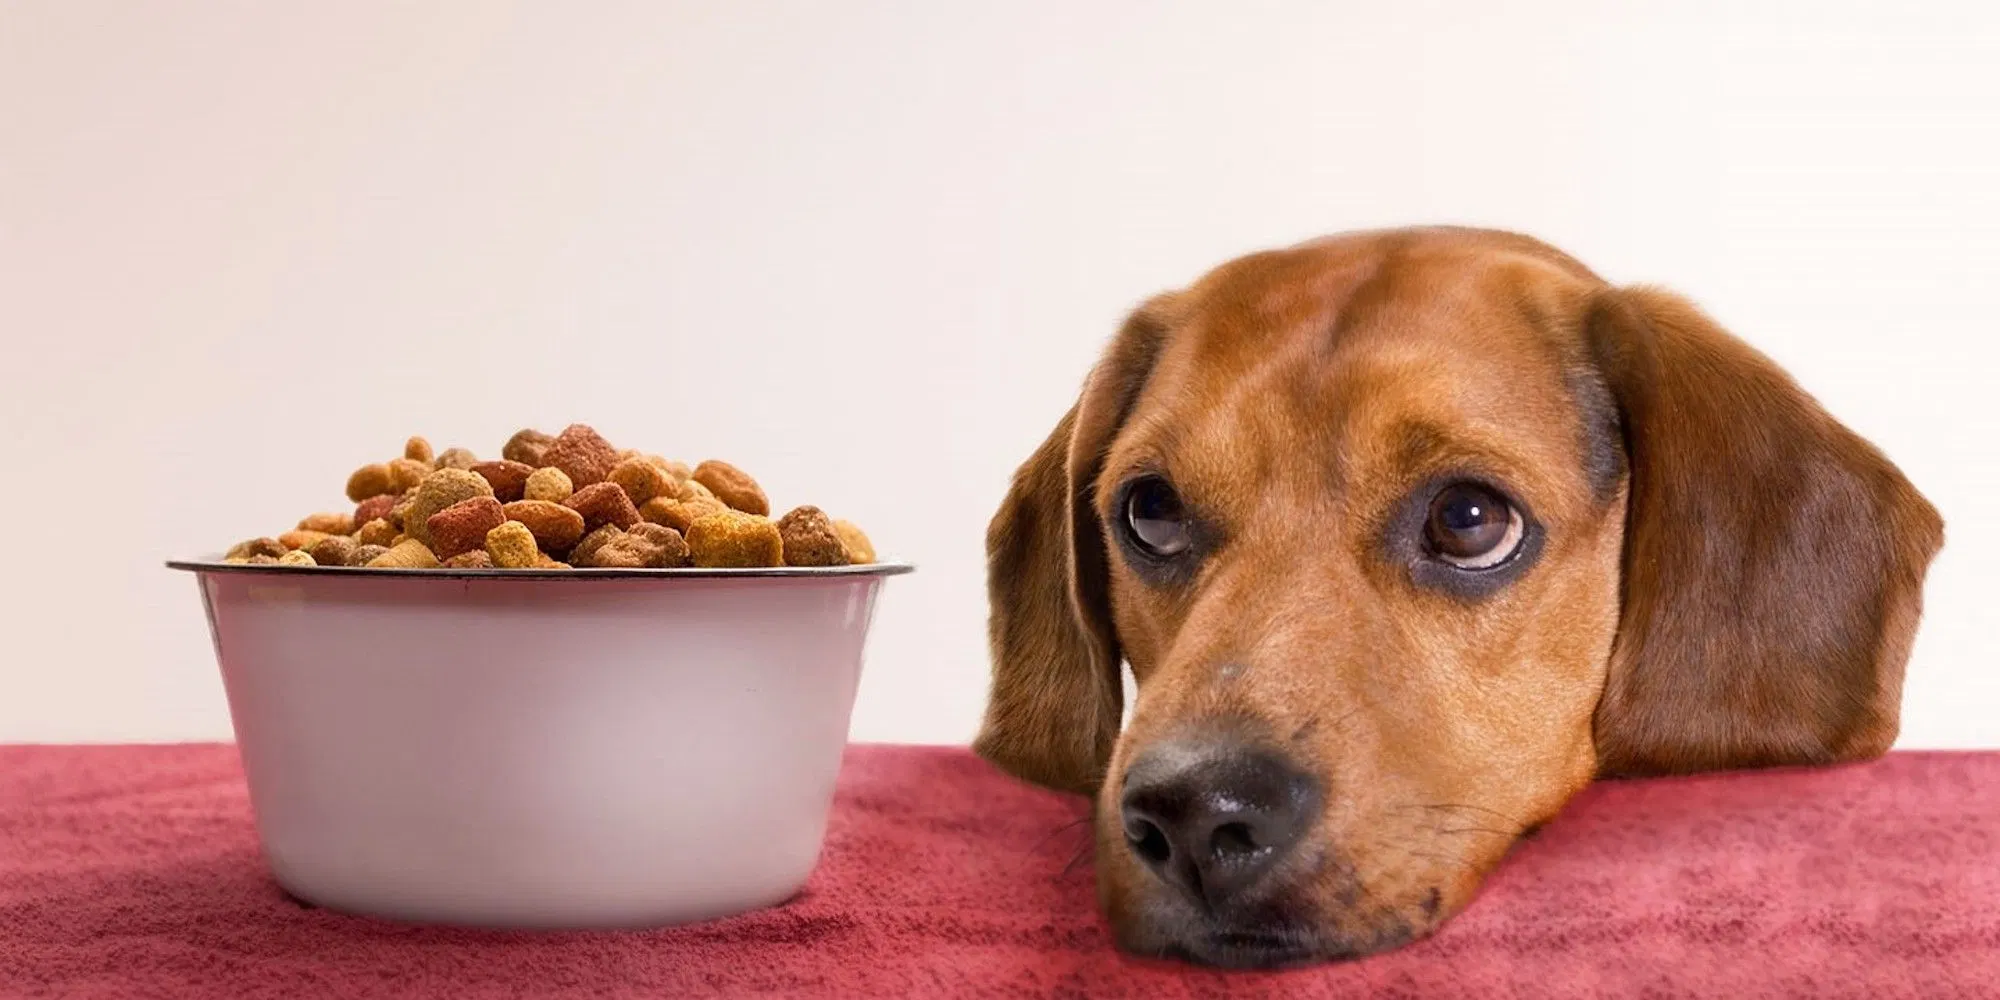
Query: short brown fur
x=1726, y=577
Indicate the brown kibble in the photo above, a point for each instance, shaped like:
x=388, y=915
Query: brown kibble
x=456, y=458
x=417, y=449
x=678, y=471
x=735, y=539
x=470, y=559
x=809, y=538
x=331, y=524
x=860, y=551
x=410, y=554
x=462, y=526
x=261, y=559
x=333, y=550
x=556, y=527
x=398, y=540
x=682, y=514
x=732, y=486
x=512, y=546
x=526, y=447
x=548, y=484
x=377, y=532
x=365, y=554
x=405, y=474
x=544, y=562
x=256, y=547
x=508, y=479
x=582, y=454
x=673, y=548
x=301, y=539
x=587, y=548
x=625, y=552
x=368, y=481
x=642, y=480
x=374, y=507
x=603, y=503
x=692, y=490
x=297, y=557
x=439, y=490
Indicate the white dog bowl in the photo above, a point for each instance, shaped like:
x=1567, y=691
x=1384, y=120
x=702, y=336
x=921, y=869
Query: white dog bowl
x=553, y=749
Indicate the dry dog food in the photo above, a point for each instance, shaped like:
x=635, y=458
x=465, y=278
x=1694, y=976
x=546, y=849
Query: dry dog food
x=556, y=502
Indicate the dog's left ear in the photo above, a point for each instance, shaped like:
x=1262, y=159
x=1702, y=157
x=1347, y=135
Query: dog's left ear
x=1055, y=703
x=1773, y=565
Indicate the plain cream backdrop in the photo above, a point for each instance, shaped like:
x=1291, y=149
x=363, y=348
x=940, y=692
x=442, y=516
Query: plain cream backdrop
x=868, y=250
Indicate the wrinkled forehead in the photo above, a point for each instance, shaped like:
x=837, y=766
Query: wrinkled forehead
x=1362, y=356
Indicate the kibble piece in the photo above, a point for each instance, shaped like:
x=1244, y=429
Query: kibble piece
x=642, y=480
x=735, y=539
x=548, y=484
x=544, y=562
x=693, y=490
x=365, y=554
x=406, y=473
x=628, y=552
x=462, y=526
x=860, y=551
x=368, y=481
x=732, y=486
x=456, y=458
x=673, y=548
x=472, y=559
x=256, y=547
x=526, y=447
x=261, y=559
x=508, y=479
x=417, y=449
x=512, y=546
x=603, y=503
x=401, y=509
x=439, y=490
x=333, y=550
x=678, y=471
x=682, y=514
x=587, y=548
x=377, y=532
x=341, y=523
x=810, y=539
x=301, y=539
x=376, y=506
x=556, y=528
x=297, y=557
x=582, y=454
x=410, y=554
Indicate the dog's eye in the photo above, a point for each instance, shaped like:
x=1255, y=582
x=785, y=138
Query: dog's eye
x=1472, y=527
x=1155, y=518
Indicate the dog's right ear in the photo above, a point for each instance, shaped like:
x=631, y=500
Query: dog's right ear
x=1054, y=708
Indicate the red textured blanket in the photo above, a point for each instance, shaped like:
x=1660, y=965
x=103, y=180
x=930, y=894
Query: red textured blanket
x=133, y=872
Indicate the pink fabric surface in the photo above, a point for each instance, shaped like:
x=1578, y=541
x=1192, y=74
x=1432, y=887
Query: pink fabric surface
x=133, y=872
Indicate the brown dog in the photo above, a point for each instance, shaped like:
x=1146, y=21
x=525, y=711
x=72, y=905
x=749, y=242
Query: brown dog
x=1407, y=536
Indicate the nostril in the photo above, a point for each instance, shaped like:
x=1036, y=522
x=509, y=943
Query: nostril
x=1233, y=840
x=1148, y=841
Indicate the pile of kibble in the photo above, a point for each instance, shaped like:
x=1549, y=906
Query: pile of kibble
x=559, y=502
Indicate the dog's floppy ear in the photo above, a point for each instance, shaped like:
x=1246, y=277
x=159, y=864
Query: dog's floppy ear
x=1773, y=565
x=1054, y=708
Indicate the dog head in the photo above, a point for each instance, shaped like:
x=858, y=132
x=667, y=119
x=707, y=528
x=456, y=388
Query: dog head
x=1406, y=537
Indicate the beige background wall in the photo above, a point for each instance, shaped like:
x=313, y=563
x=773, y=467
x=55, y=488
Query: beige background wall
x=867, y=250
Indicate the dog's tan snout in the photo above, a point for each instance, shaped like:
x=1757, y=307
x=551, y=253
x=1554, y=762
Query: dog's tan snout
x=1212, y=817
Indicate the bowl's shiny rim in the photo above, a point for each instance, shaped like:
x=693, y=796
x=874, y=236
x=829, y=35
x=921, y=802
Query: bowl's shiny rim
x=578, y=575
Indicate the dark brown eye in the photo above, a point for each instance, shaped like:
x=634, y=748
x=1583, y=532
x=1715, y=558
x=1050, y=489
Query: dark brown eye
x=1472, y=527
x=1155, y=519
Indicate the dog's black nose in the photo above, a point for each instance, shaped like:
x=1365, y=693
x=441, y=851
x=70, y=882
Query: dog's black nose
x=1212, y=818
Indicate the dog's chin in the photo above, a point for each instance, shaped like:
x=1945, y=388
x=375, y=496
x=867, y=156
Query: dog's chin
x=1266, y=941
